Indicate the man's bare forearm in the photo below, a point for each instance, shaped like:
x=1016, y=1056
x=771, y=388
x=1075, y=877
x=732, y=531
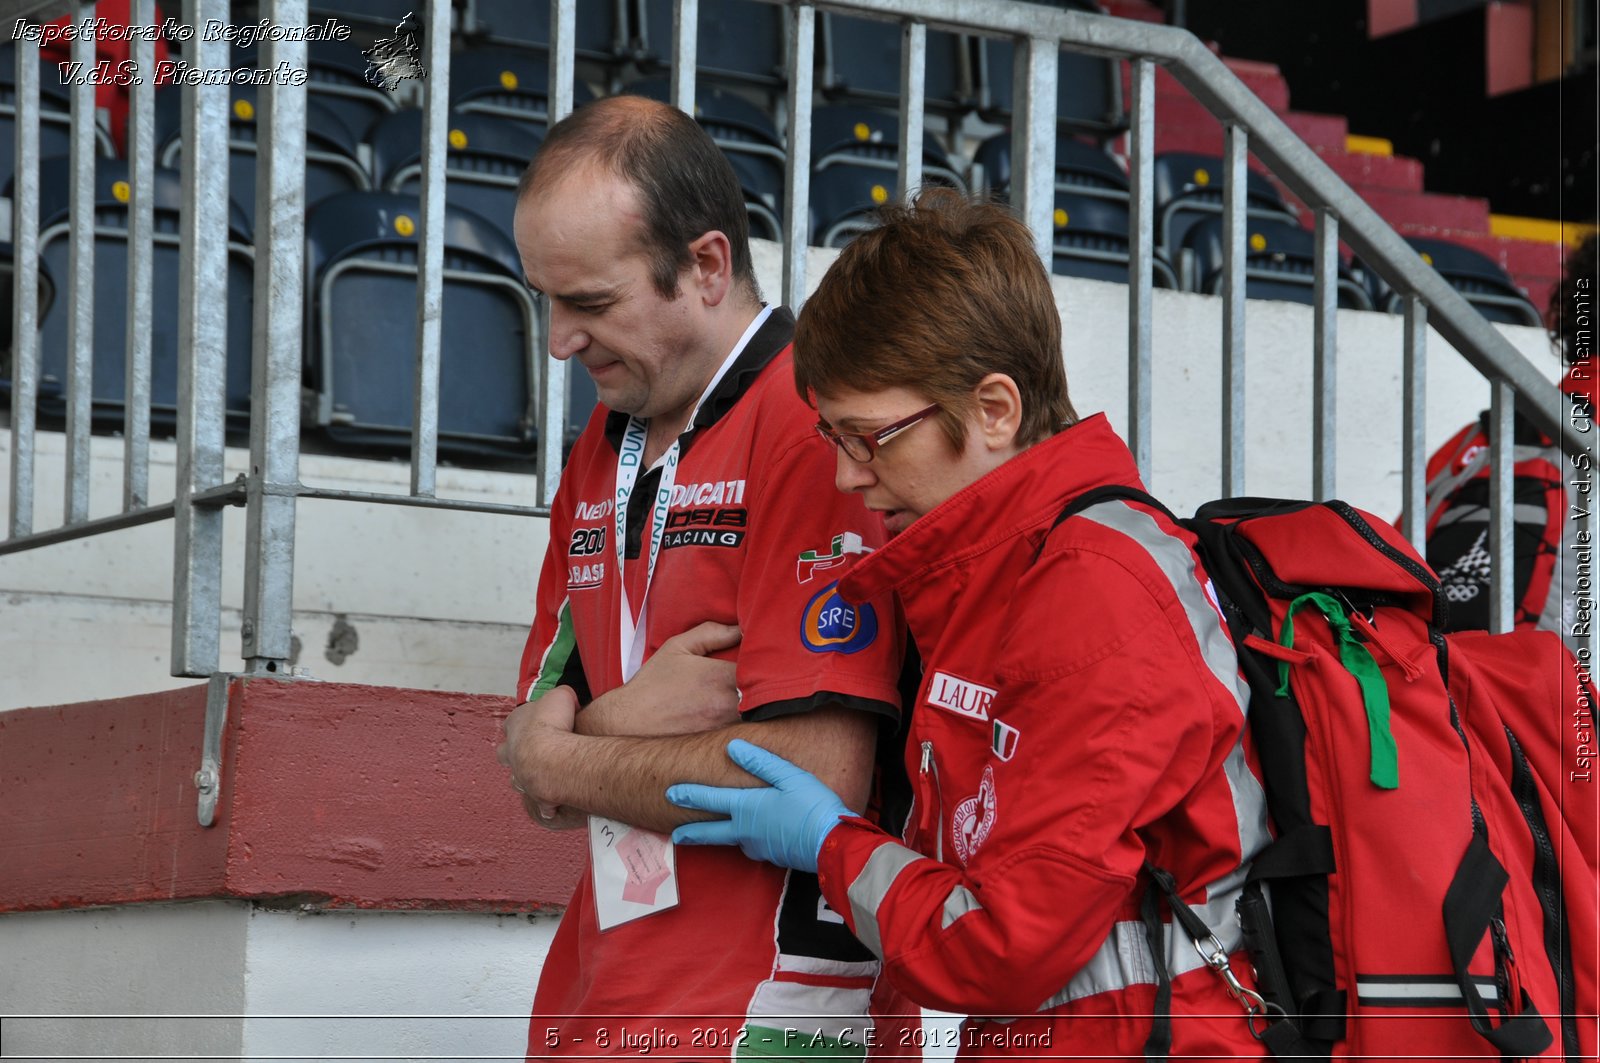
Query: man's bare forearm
x=626, y=778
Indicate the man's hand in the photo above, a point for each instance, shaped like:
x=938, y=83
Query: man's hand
x=681, y=689
x=533, y=735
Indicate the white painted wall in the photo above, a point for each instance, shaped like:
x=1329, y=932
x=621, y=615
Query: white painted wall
x=441, y=600
x=229, y=979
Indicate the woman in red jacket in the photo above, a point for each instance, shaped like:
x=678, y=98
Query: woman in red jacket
x=1081, y=718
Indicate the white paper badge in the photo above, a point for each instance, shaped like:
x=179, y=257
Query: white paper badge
x=635, y=873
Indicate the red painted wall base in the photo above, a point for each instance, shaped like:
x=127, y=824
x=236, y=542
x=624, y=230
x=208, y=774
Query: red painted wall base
x=334, y=795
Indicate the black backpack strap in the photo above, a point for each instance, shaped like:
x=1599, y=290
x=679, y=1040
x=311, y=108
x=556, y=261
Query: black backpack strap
x=1471, y=908
x=1107, y=494
x=1159, y=1043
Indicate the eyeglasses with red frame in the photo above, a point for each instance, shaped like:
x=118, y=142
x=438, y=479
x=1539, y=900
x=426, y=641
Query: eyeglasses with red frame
x=863, y=446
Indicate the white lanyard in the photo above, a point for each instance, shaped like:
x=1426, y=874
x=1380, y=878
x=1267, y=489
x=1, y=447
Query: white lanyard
x=629, y=457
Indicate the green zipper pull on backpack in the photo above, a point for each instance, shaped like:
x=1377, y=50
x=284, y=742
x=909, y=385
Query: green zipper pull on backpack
x=1359, y=662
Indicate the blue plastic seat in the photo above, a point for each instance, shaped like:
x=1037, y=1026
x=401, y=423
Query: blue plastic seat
x=738, y=41
x=376, y=14
x=46, y=295
x=861, y=62
x=843, y=201
x=361, y=259
x=336, y=78
x=598, y=33
x=1478, y=278
x=1081, y=168
x=844, y=134
x=55, y=116
x=1188, y=191
x=1280, y=262
x=333, y=161
x=484, y=159
x=107, y=392
x=512, y=82
x=1088, y=87
x=1091, y=241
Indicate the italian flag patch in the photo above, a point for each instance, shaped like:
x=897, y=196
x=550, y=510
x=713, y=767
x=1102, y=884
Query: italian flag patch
x=1004, y=740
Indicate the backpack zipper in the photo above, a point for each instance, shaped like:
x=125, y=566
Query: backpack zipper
x=1548, y=886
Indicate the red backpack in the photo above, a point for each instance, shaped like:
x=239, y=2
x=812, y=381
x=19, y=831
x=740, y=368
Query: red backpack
x=1432, y=882
x=1457, y=528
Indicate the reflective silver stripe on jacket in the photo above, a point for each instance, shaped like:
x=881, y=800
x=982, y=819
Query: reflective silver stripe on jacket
x=1124, y=958
x=871, y=886
x=1172, y=557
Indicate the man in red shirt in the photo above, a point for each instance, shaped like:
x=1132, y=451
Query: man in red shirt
x=697, y=492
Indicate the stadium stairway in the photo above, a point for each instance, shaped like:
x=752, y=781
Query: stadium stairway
x=1528, y=249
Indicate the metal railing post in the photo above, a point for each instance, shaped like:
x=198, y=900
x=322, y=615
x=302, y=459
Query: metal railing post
x=141, y=255
x=1325, y=360
x=552, y=371
x=913, y=87
x=1413, y=435
x=80, y=322
x=1502, y=501
x=25, y=289
x=685, y=39
x=797, y=181
x=202, y=354
x=1141, y=265
x=1033, y=138
x=1235, y=224
x=276, y=337
x=430, y=251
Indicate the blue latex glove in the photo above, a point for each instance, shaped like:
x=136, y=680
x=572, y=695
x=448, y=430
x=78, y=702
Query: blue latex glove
x=783, y=823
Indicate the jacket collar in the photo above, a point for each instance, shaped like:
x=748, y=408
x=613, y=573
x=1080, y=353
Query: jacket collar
x=768, y=342
x=1024, y=494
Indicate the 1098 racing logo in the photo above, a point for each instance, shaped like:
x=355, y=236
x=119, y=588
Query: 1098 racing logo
x=832, y=625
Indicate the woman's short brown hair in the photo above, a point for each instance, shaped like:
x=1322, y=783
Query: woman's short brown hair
x=939, y=295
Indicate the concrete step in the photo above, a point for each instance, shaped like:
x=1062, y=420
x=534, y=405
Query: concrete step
x=1427, y=210
x=1393, y=172
x=1139, y=10
x=1185, y=125
x=1263, y=79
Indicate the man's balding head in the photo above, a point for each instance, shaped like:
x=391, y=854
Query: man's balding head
x=684, y=185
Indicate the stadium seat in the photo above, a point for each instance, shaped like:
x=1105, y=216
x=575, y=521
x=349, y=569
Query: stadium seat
x=1188, y=190
x=1088, y=87
x=510, y=82
x=842, y=201
x=843, y=134
x=110, y=298
x=46, y=295
x=739, y=41
x=1091, y=241
x=484, y=159
x=599, y=34
x=333, y=162
x=1478, y=278
x=361, y=261
x=374, y=15
x=55, y=116
x=750, y=141
x=1081, y=168
x=337, y=78
x=861, y=62
x=1280, y=262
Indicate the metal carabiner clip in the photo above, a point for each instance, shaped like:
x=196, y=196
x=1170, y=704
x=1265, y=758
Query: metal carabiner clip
x=1217, y=959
